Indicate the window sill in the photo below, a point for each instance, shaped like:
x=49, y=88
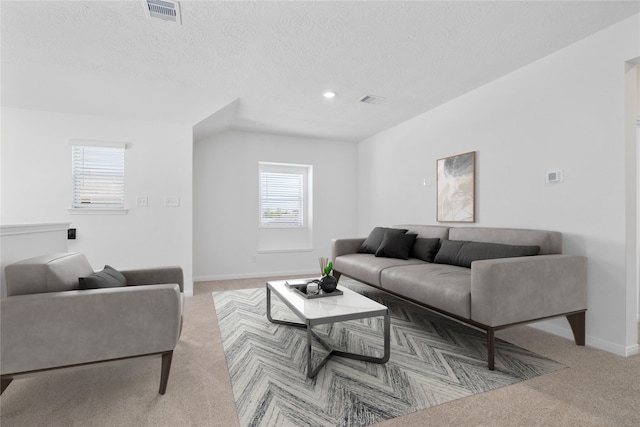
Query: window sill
x=283, y=251
x=97, y=211
x=282, y=227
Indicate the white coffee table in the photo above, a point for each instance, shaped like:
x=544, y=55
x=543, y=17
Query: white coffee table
x=318, y=311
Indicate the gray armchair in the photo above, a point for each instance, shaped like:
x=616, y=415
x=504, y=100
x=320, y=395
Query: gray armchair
x=47, y=323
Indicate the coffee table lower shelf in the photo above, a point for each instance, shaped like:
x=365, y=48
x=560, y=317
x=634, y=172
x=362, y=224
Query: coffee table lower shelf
x=309, y=323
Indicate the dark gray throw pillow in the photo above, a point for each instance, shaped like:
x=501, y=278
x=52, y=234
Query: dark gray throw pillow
x=396, y=245
x=107, y=278
x=372, y=243
x=463, y=253
x=425, y=248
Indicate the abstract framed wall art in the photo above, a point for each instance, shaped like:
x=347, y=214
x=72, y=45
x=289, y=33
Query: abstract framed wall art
x=456, y=200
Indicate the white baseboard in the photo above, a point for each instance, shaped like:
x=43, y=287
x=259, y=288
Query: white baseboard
x=632, y=350
x=590, y=340
x=302, y=273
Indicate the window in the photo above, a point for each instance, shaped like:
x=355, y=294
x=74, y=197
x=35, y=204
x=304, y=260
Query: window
x=98, y=175
x=283, y=195
x=285, y=207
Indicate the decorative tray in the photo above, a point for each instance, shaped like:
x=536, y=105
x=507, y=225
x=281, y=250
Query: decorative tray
x=301, y=289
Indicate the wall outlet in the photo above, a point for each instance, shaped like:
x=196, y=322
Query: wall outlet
x=171, y=202
x=142, y=201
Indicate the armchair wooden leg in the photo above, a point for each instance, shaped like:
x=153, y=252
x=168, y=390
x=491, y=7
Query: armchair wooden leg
x=5, y=383
x=166, y=367
x=491, y=342
x=337, y=275
x=577, y=321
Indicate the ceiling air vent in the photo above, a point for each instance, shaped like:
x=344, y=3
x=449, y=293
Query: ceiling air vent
x=164, y=9
x=372, y=99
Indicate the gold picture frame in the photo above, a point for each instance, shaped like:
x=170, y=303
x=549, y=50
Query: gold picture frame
x=456, y=188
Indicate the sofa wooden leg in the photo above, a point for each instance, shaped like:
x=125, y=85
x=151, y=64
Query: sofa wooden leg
x=5, y=383
x=578, y=321
x=166, y=367
x=491, y=341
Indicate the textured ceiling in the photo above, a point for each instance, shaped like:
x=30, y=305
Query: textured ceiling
x=264, y=65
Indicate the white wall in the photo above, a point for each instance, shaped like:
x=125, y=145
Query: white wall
x=565, y=111
x=36, y=186
x=226, y=202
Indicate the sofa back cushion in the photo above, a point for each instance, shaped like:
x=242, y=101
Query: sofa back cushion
x=550, y=242
x=426, y=231
x=47, y=273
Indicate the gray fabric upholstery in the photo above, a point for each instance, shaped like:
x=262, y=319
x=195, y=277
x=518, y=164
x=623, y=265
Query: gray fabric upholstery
x=442, y=286
x=426, y=231
x=345, y=246
x=550, y=242
x=47, y=273
x=367, y=267
x=156, y=276
x=48, y=330
x=492, y=292
x=511, y=290
x=42, y=329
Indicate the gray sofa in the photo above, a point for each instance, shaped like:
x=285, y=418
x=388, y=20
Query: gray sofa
x=491, y=295
x=48, y=323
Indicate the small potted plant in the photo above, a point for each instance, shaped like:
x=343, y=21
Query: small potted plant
x=328, y=283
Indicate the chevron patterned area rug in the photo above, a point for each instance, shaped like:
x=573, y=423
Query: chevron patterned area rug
x=433, y=360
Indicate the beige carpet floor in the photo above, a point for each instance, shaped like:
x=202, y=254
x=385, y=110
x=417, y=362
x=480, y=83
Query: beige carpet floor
x=597, y=388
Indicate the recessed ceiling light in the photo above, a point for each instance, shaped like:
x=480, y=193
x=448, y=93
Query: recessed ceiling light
x=329, y=94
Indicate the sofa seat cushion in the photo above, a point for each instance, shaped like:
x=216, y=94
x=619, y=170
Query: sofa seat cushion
x=445, y=287
x=367, y=267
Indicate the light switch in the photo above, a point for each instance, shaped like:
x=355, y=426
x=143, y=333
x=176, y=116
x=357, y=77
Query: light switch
x=142, y=201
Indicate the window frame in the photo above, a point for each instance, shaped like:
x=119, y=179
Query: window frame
x=97, y=208
x=286, y=168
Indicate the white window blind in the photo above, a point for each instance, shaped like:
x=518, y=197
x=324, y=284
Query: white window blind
x=98, y=176
x=282, y=198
